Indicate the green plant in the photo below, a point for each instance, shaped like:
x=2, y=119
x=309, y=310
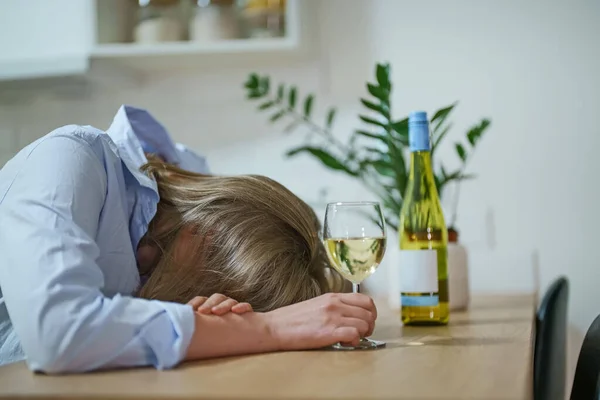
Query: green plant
x=376, y=155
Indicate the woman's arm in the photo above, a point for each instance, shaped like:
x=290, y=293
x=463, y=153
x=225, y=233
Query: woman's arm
x=51, y=284
x=315, y=323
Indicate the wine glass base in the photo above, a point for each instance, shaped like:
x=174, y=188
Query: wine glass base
x=364, y=344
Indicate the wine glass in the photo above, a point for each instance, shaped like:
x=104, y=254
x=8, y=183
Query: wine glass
x=354, y=238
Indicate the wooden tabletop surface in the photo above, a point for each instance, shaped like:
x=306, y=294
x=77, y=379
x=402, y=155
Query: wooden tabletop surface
x=484, y=353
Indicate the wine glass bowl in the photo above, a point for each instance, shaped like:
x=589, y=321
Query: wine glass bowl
x=354, y=239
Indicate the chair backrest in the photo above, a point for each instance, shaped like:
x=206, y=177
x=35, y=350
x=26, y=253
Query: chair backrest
x=585, y=384
x=549, y=360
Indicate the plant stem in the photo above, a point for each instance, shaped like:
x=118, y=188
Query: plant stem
x=454, y=206
x=320, y=130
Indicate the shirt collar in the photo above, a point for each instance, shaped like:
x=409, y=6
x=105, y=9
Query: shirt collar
x=152, y=134
x=123, y=134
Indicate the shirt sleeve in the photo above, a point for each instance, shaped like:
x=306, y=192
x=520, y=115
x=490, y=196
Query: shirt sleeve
x=50, y=280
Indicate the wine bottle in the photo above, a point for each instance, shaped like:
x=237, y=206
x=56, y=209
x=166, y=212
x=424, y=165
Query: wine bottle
x=423, y=236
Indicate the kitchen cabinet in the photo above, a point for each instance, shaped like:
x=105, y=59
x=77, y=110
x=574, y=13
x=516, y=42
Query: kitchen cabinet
x=41, y=38
x=48, y=38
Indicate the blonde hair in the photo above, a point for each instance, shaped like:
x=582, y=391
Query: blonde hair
x=251, y=239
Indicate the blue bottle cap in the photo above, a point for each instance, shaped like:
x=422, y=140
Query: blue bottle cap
x=417, y=116
x=418, y=131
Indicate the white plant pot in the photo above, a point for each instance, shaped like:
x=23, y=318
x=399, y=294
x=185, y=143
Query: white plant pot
x=458, y=276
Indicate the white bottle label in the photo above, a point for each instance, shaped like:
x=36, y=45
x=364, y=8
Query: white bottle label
x=418, y=271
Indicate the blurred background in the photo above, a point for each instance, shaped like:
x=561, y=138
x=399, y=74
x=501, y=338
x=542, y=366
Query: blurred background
x=532, y=68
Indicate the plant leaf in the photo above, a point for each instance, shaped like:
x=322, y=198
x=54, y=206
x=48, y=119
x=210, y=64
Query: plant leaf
x=326, y=158
x=330, y=118
x=266, y=105
x=456, y=176
x=379, y=93
x=441, y=115
x=381, y=109
x=376, y=220
x=453, y=175
x=390, y=203
x=475, y=132
x=439, y=136
x=444, y=174
x=352, y=141
x=439, y=184
x=382, y=73
x=254, y=95
x=392, y=222
x=264, y=84
x=372, y=121
x=375, y=150
x=464, y=177
x=277, y=115
x=401, y=128
x=280, y=91
x=372, y=135
x=382, y=167
x=292, y=97
x=308, y=105
x=460, y=150
x=252, y=82
x=399, y=165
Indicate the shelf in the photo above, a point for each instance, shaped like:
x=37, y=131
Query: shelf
x=144, y=58
x=236, y=46
x=151, y=57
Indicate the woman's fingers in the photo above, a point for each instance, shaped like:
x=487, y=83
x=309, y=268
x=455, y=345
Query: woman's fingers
x=360, y=325
x=224, y=307
x=359, y=300
x=212, y=301
x=362, y=314
x=241, y=308
x=219, y=304
x=346, y=334
x=197, y=302
x=371, y=329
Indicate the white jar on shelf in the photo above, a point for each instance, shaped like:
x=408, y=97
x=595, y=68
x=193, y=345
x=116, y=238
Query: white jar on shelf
x=161, y=21
x=214, y=20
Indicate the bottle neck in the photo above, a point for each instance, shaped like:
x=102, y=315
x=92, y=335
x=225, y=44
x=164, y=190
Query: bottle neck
x=420, y=164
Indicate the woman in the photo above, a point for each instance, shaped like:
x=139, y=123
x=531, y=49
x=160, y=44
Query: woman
x=85, y=219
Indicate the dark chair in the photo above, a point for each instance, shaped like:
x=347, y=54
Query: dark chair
x=549, y=357
x=585, y=384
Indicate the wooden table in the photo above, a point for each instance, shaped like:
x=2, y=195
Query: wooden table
x=484, y=353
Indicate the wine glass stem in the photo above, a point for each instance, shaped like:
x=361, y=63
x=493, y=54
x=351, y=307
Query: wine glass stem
x=356, y=289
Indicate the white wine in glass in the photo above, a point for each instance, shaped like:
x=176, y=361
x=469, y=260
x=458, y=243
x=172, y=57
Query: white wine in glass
x=355, y=258
x=354, y=238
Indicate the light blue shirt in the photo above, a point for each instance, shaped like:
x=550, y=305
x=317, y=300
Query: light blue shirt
x=73, y=207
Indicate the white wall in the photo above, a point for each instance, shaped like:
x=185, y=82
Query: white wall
x=532, y=67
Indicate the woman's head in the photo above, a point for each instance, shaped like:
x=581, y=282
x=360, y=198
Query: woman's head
x=246, y=237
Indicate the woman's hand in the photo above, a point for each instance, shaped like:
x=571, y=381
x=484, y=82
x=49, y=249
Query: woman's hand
x=218, y=304
x=323, y=321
